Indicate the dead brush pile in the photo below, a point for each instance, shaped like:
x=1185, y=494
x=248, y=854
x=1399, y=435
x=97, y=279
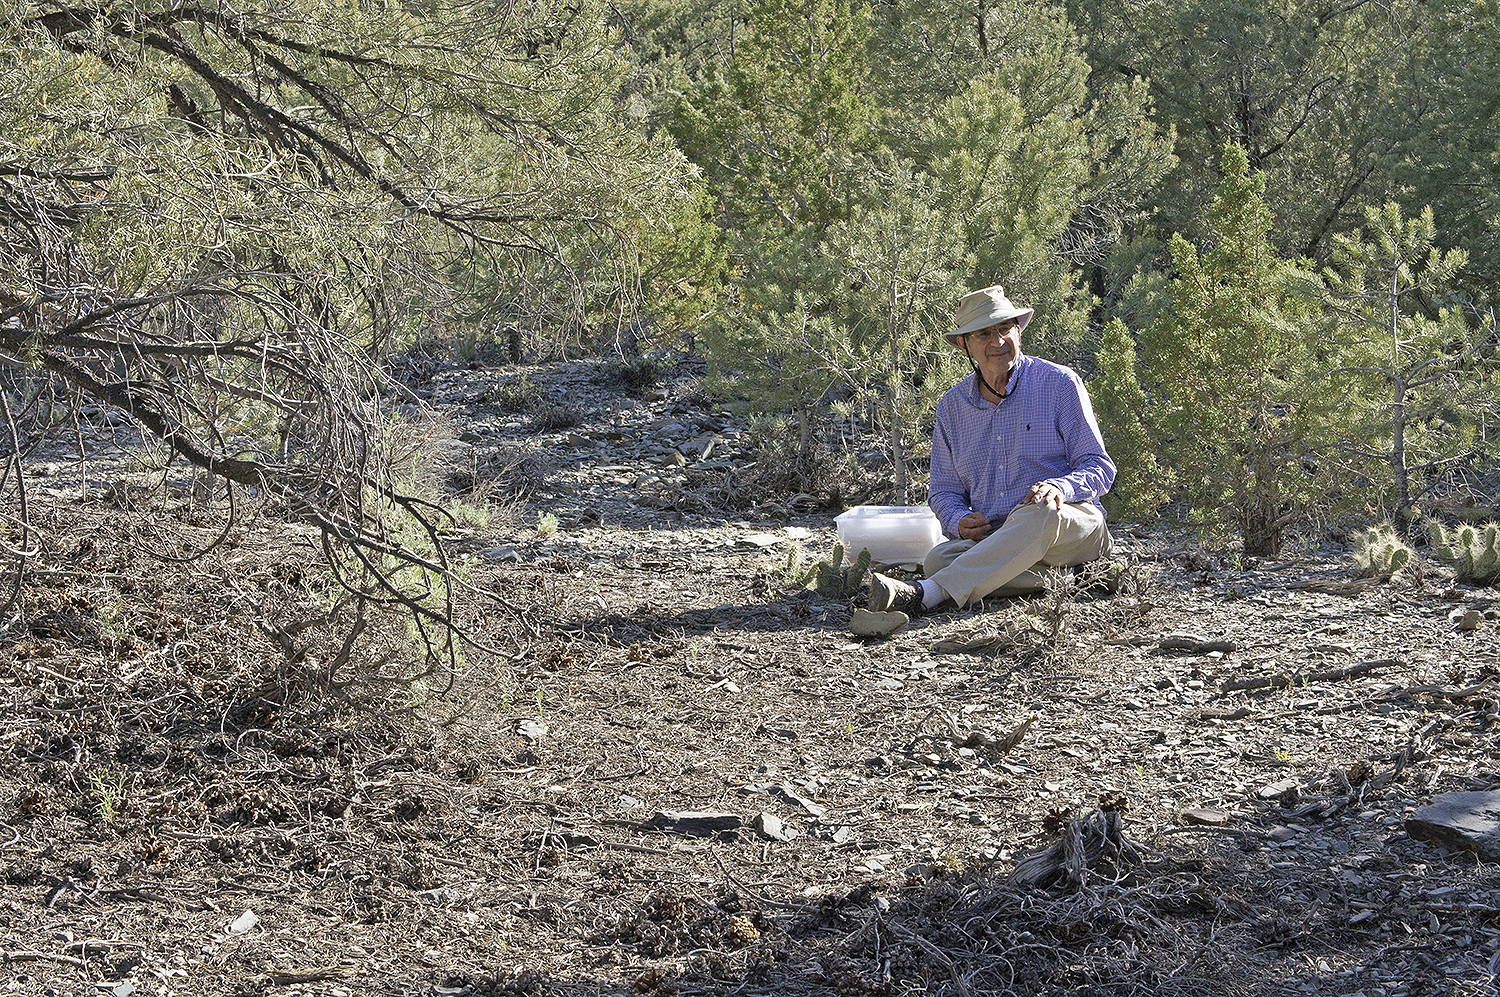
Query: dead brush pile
x=1092, y=913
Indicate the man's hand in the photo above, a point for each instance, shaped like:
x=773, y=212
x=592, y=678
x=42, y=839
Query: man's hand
x=973, y=527
x=1044, y=493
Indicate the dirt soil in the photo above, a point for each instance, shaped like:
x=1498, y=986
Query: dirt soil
x=685, y=776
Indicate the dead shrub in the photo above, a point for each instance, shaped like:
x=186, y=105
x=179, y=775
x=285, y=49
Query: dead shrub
x=552, y=415
x=514, y=470
x=515, y=396
x=635, y=377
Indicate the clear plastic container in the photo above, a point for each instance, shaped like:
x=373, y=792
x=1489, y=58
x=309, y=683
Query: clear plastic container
x=895, y=534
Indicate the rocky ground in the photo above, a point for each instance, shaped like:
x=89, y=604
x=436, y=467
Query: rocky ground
x=684, y=776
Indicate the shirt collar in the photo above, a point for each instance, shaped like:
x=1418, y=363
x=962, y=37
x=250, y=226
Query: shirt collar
x=1011, y=383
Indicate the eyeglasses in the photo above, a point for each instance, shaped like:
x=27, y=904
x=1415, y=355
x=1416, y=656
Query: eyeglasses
x=994, y=332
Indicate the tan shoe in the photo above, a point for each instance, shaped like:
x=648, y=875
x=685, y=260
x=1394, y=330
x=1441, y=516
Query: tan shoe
x=891, y=593
x=865, y=623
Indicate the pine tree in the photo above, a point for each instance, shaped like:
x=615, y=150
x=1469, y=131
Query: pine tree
x=1241, y=420
x=217, y=220
x=1447, y=156
x=1143, y=483
x=1421, y=375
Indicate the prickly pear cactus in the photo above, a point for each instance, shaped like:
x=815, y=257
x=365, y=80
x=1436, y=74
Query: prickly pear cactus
x=1442, y=545
x=1380, y=553
x=854, y=575
x=836, y=579
x=1474, y=553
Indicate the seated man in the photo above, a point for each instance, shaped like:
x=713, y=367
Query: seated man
x=1018, y=467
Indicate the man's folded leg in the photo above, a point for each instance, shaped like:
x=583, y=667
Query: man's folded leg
x=1008, y=560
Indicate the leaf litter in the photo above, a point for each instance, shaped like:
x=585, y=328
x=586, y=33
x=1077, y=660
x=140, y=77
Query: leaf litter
x=689, y=778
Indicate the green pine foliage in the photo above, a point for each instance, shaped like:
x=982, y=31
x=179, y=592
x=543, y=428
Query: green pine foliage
x=1239, y=418
x=1422, y=381
x=1443, y=149
x=1143, y=483
x=777, y=121
x=1319, y=98
x=865, y=183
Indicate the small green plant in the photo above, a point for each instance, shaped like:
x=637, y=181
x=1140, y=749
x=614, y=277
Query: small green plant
x=115, y=628
x=834, y=578
x=519, y=395
x=468, y=514
x=546, y=525
x=107, y=794
x=635, y=376
x=1473, y=551
x=1380, y=553
x=790, y=573
x=947, y=864
x=1282, y=755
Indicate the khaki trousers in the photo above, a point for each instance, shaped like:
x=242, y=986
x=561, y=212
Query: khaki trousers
x=1012, y=559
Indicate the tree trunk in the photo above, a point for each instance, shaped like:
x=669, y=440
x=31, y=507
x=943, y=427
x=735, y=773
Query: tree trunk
x=804, y=444
x=1398, y=409
x=1261, y=530
x=1398, y=454
x=894, y=435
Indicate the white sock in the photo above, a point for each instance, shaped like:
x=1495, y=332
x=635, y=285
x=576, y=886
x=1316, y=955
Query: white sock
x=932, y=594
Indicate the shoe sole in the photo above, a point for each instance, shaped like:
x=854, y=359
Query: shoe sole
x=865, y=623
x=883, y=594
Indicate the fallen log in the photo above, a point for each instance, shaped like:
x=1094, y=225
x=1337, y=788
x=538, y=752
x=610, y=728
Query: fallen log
x=1306, y=678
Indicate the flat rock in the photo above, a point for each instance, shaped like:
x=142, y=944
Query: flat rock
x=787, y=792
x=1284, y=790
x=768, y=825
x=1465, y=821
x=1207, y=816
x=695, y=823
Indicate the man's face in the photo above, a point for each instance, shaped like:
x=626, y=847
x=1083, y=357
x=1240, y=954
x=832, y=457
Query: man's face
x=995, y=349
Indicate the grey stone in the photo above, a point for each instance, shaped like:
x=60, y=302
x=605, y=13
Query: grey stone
x=695, y=823
x=702, y=446
x=769, y=826
x=788, y=792
x=1465, y=821
x=1284, y=791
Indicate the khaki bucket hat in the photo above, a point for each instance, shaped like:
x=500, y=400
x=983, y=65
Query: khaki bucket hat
x=983, y=308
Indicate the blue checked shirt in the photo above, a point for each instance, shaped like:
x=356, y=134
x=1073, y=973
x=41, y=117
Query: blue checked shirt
x=986, y=457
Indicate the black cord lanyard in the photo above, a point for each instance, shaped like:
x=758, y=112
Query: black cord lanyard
x=975, y=368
